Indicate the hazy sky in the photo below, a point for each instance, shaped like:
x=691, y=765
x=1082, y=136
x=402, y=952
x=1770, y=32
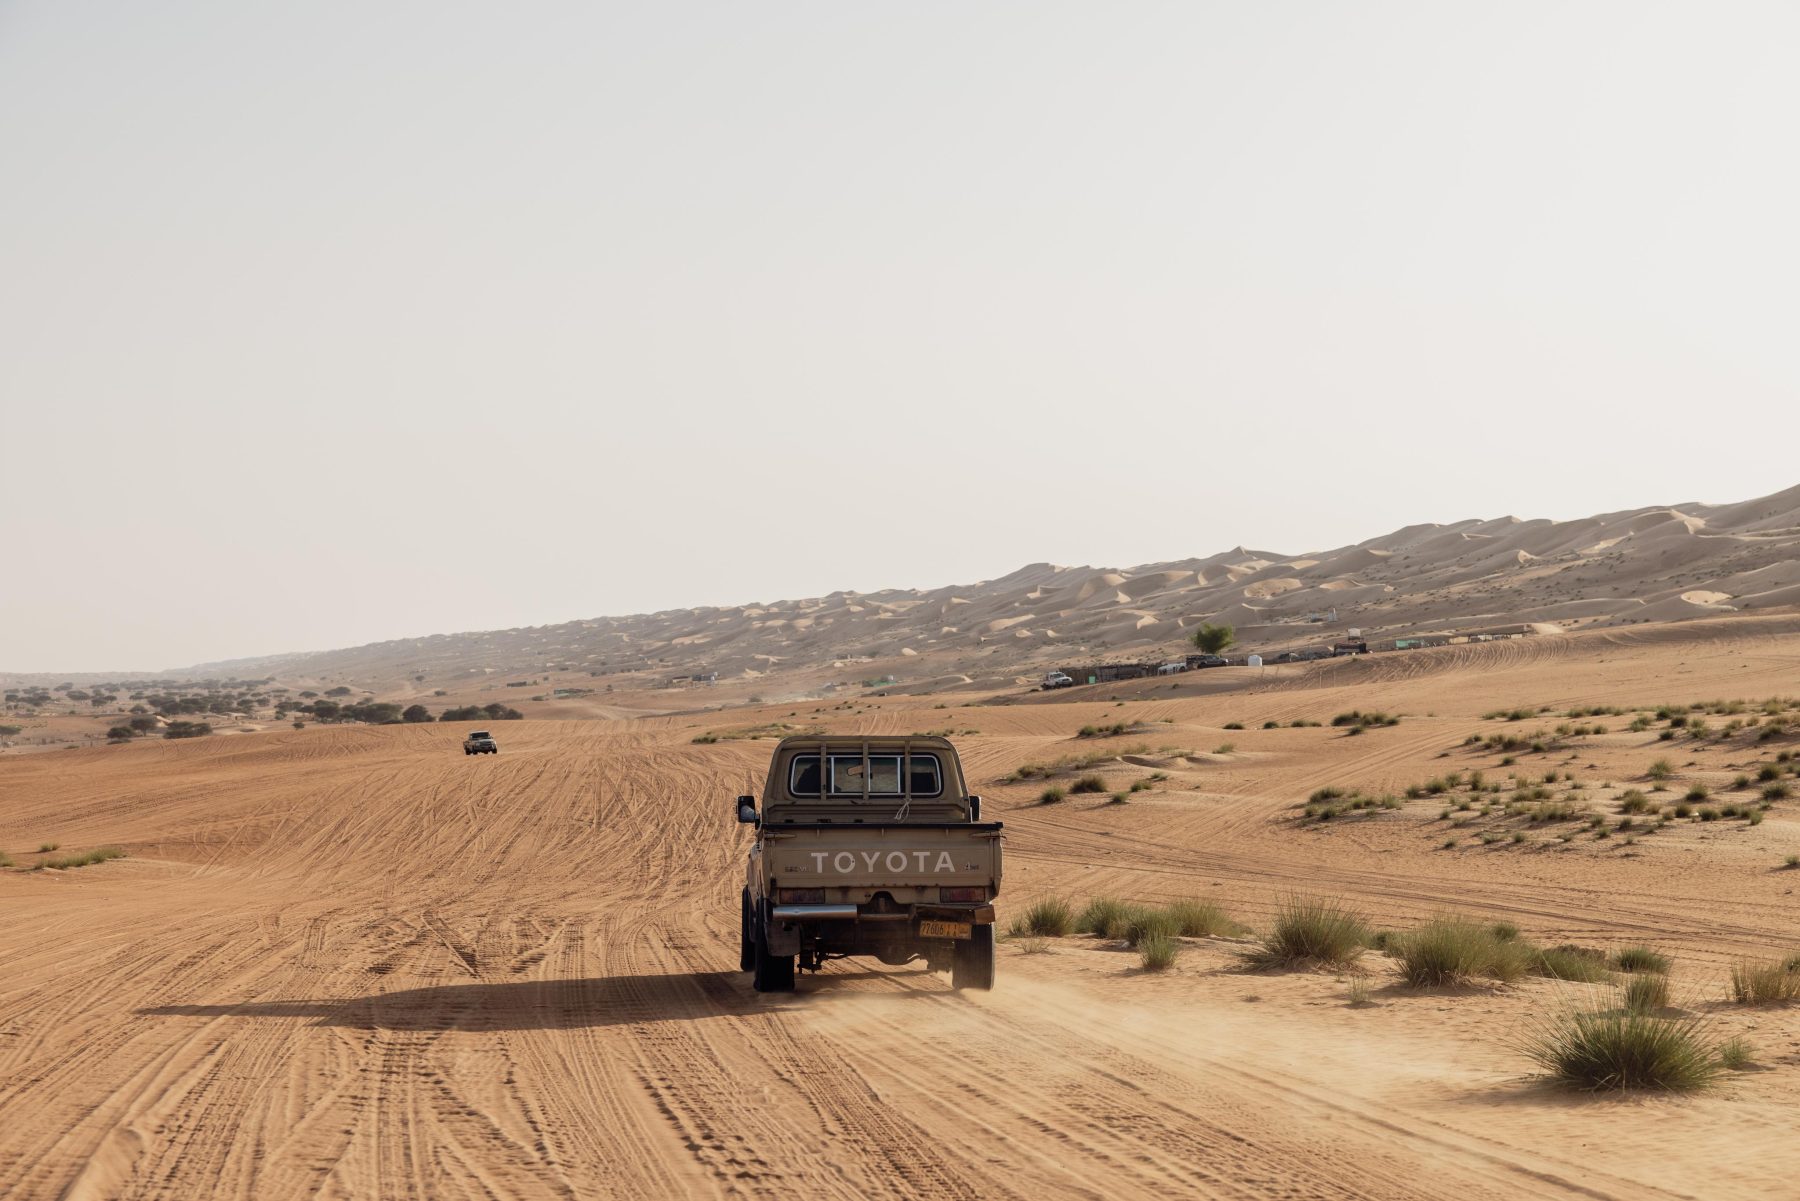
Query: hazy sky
x=333, y=322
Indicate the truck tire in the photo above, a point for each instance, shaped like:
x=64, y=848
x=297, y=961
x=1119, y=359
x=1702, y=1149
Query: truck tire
x=973, y=964
x=746, y=944
x=772, y=973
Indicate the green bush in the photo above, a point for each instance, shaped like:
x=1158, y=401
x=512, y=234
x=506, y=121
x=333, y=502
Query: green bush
x=1310, y=931
x=1052, y=796
x=1147, y=921
x=186, y=729
x=1735, y=1054
x=1610, y=1050
x=1201, y=919
x=1454, y=950
x=1580, y=965
x=1640, y=959
x=1088, y=783
x=1213, y=639
x=1645, y=994
x=100, y=855
x=1051, y=917
x=1100, y=915
x=1157, y=951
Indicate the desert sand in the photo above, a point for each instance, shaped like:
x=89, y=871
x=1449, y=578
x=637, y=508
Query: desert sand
x=352, y=962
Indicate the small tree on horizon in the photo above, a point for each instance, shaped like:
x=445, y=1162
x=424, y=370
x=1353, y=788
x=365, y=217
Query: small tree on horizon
x=1212, y=639
x=416, y=713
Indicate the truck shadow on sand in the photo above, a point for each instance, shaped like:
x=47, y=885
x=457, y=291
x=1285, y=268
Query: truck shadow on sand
x=516, y=1005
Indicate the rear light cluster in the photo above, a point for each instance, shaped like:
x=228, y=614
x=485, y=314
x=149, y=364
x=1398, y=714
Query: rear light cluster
x=978, y=893
x=803, y=896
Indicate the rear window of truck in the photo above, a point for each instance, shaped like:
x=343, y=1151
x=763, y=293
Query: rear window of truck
x=846, y=775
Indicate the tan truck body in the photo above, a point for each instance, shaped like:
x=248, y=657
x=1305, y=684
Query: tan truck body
x=868, y=846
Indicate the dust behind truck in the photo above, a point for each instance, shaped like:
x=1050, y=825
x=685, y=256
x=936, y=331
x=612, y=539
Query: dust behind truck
x=868, y=846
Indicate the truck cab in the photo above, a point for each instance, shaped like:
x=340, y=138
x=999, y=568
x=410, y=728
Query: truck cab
x=1056, y=679
x=868, y=846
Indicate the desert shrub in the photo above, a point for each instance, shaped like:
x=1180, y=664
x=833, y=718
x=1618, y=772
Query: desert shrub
x=1645, y=994
x=1698, y=792
x=1052, y=796
x=1112, y=731
x=1610, y=1050
x=1145, y=921
x=1142, y=785
x=186, y=729
x=1357, y=718
x=1213, y=639
x=1201, y=919
x=1088, y=783
x=1735, y=1054
x=1310, y=931
x=1633, y=800
x=1776, y=792
x=1225, y=748
x=1765, y=982
x=1456, y=950
x=1157, y=951
x=1100, y=915
x=1271, y=725
x=1051, y=917
x=98, y=855
x=1662, y=769
x=1640, y=959
x=1582, y=965
x=416, y=714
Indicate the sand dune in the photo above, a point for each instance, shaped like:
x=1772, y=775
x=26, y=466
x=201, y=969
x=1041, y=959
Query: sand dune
x=1597, y=572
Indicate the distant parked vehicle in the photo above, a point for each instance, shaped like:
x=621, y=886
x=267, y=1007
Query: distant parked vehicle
x=1056, y=679
x=1208, y=661
x=480, y=742
x=1288, y=657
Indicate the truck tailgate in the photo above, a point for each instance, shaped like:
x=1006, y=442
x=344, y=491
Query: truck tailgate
x=883, y=856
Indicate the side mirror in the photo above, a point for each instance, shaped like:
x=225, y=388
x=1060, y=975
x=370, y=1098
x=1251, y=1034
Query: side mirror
x=746, y=810
x=974, y=808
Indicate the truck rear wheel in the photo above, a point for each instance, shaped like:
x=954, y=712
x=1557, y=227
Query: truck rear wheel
x=773, y=973
x=746, y=944
x=973, y=965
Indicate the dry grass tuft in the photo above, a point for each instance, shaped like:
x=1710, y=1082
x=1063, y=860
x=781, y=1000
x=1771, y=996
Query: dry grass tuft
x=1765, y=982
x=1312, y=932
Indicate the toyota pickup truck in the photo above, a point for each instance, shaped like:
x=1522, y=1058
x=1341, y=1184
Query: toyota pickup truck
x=480, y=742
x=868, y=846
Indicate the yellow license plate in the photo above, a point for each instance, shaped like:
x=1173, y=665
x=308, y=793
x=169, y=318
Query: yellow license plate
x=931, y=929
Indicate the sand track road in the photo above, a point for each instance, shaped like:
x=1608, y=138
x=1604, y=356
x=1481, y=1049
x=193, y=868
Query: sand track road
x=352, y=963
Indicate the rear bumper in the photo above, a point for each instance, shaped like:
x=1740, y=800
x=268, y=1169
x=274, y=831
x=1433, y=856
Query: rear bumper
x=980, y=915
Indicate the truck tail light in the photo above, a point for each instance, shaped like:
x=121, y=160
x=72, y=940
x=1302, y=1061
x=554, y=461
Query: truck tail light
x=803, y=896
x=978, y=893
